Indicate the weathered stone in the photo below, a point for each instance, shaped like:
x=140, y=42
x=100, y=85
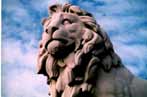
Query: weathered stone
x=78, y=58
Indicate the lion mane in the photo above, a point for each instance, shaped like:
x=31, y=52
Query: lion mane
x=95, y=51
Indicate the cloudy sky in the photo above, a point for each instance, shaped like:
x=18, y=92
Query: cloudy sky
x=124, y=21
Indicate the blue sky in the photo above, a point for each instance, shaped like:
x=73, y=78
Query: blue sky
x=124, y=21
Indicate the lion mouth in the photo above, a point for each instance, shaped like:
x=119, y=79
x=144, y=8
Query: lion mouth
x=60, y=47
x=62, y=40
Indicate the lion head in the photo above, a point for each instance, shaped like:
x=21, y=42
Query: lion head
x=73, y=47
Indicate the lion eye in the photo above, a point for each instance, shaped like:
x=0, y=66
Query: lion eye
x=66, y=21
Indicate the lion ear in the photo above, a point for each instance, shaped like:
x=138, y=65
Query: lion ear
x=43, y=21
x=55, y=8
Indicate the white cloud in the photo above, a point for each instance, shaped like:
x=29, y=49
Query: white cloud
x=19, y=78
x=133, y=36
x=16, y=9
x=19, y=52
x=13, y=53
x=142, y=32
x=43, y=5
x=119, y=24
x=109, y=23
x=24, y=84
x=116, y=6
x=133, y=56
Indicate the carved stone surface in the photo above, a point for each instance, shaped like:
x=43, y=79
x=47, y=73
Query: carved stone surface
x=78, y=58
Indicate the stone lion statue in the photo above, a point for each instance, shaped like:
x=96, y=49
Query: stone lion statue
x=79, y=60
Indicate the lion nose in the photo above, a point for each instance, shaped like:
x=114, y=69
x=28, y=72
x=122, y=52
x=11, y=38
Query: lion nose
x=52, y=29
